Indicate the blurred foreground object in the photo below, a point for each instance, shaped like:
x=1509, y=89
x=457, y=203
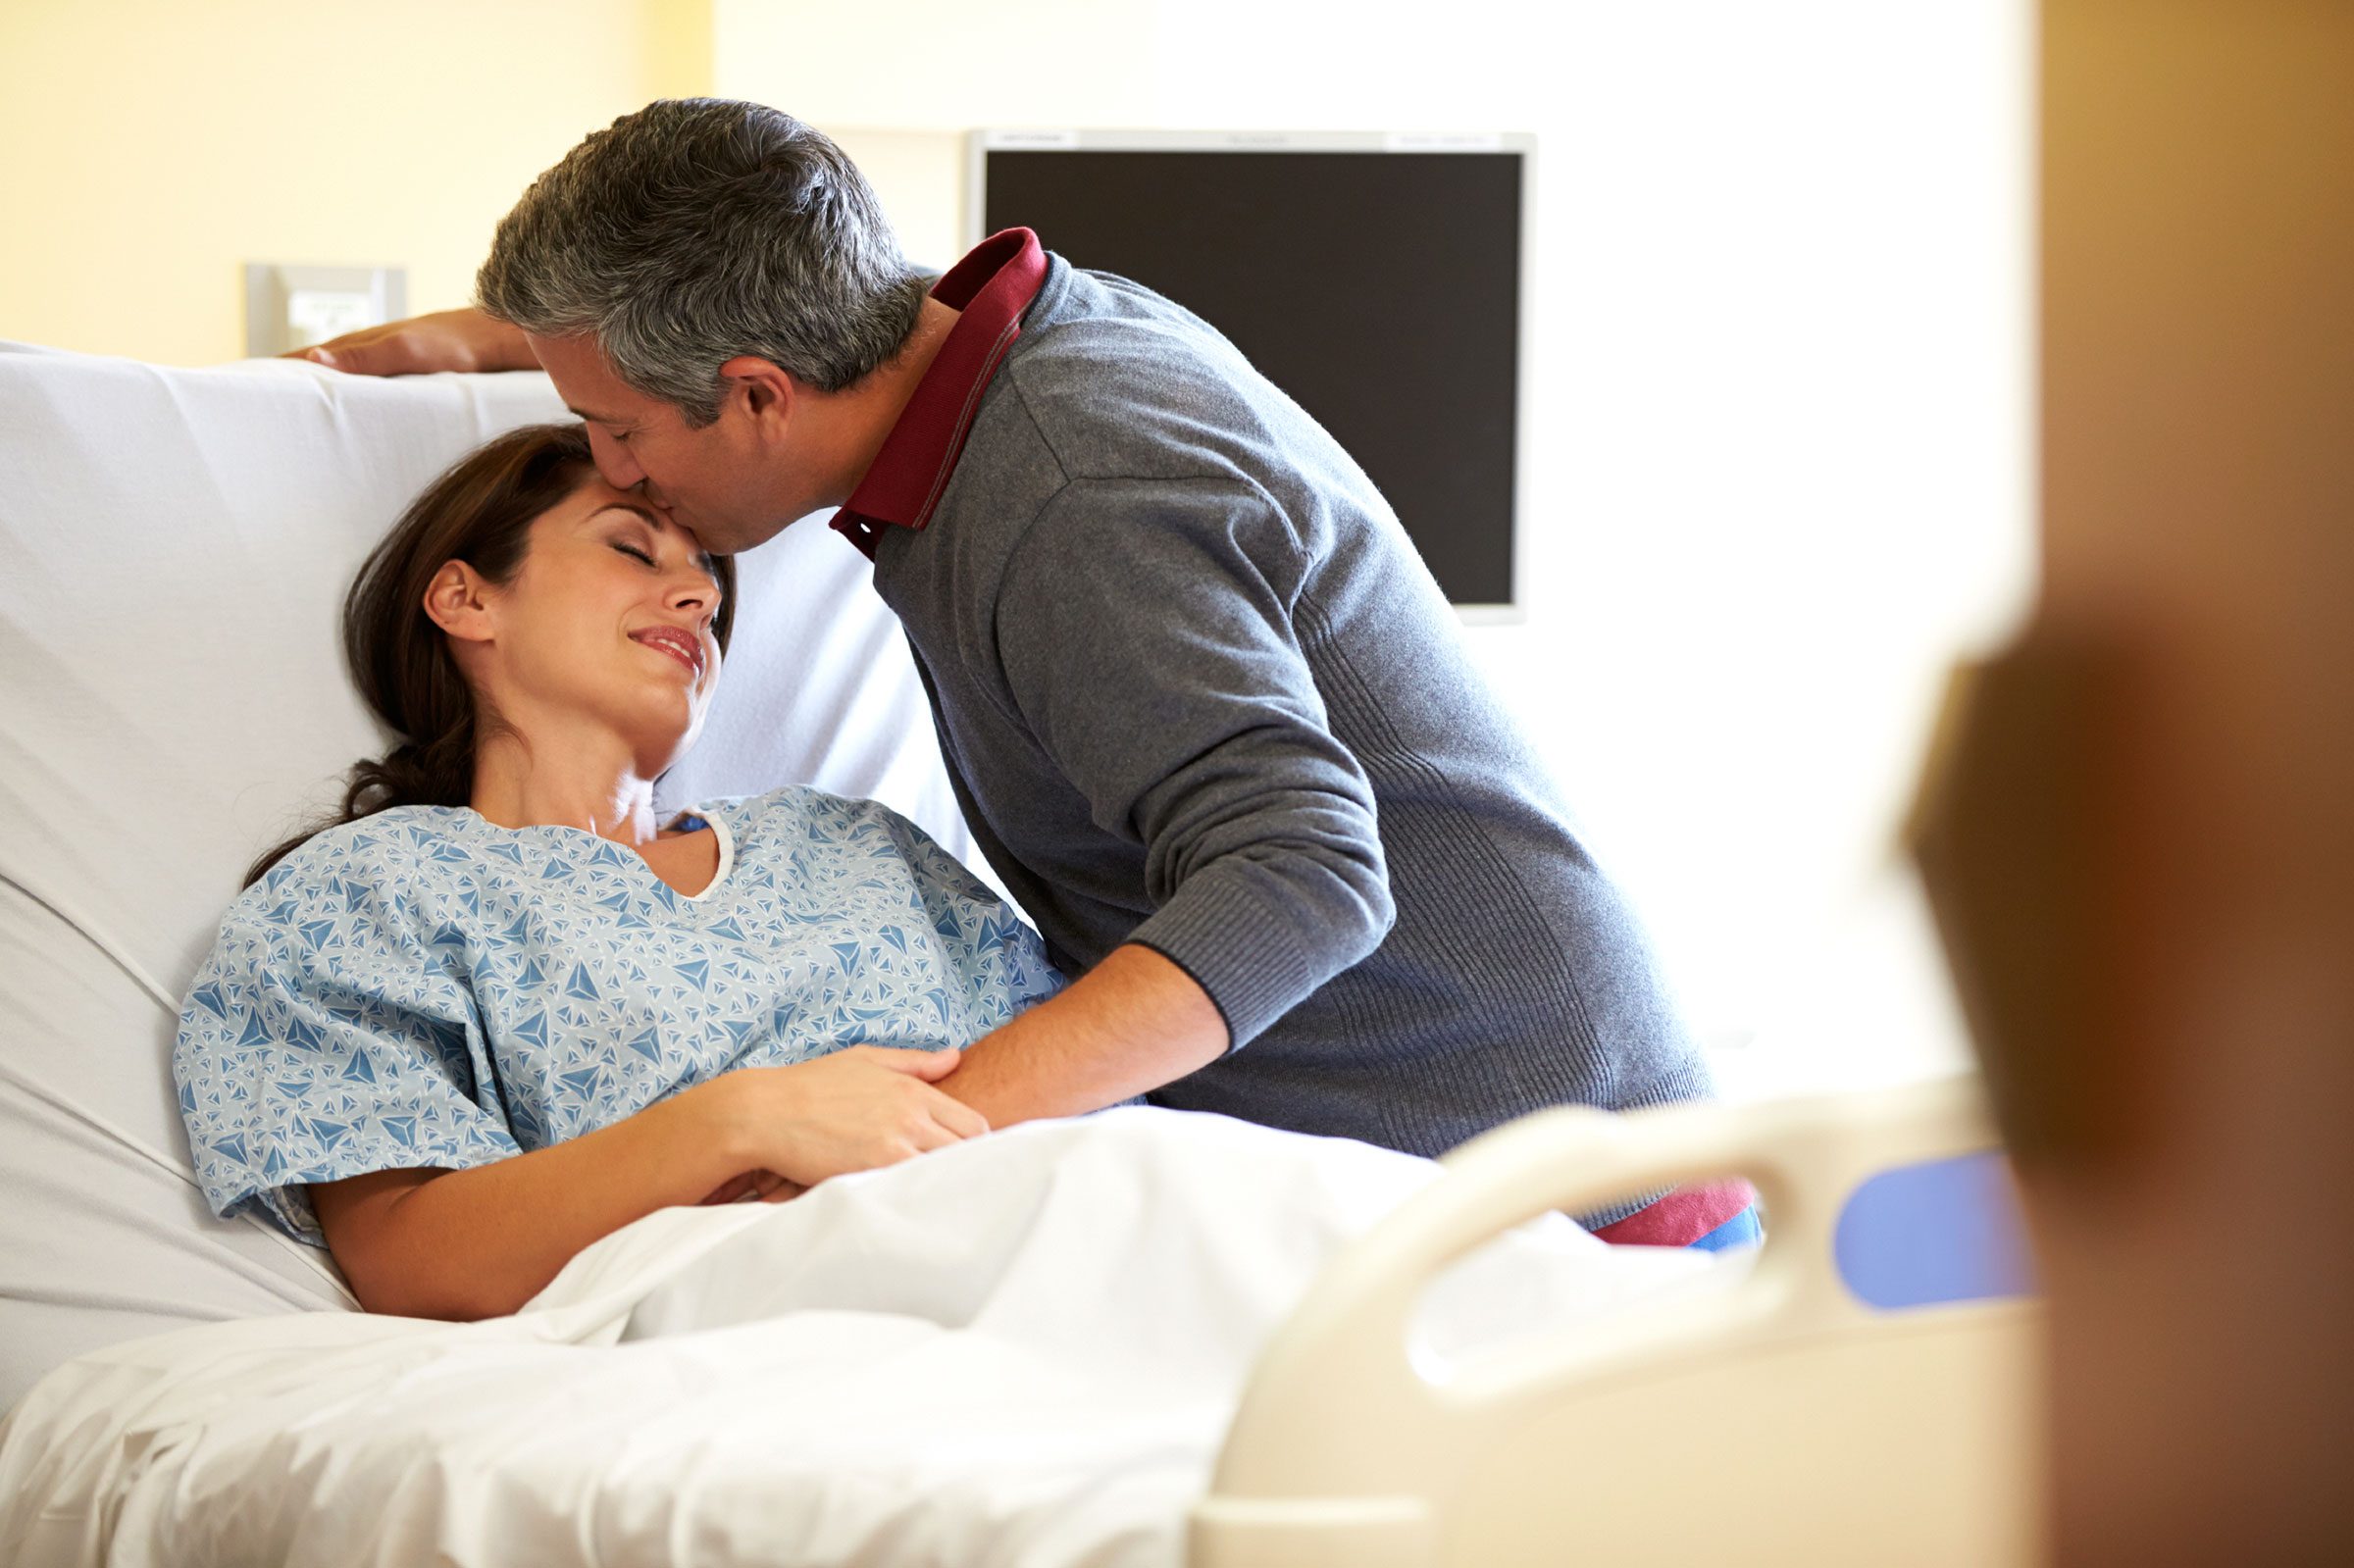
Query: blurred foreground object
x=2139, y=831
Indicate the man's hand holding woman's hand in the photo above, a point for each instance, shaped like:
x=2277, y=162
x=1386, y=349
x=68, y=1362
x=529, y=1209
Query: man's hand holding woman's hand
x=851, y=1110
x=447, y=340
x=766, y=1186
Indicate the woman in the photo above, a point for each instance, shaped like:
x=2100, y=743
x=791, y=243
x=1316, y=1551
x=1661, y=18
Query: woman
x=498, y=1009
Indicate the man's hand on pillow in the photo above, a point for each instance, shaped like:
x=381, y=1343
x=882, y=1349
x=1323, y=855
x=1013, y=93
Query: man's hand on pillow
x=446, y=340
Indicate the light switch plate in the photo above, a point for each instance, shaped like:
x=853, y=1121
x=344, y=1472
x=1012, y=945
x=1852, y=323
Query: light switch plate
x=294, y=307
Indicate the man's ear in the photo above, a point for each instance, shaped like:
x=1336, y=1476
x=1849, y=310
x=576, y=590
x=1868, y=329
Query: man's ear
x=761, y=390
x=457, y=602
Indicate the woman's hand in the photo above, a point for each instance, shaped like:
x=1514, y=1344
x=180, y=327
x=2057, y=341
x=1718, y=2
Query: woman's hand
x=851, y=1110
x=446, y=340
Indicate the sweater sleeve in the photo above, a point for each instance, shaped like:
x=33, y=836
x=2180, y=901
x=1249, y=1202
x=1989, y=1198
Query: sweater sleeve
x=1144, y=630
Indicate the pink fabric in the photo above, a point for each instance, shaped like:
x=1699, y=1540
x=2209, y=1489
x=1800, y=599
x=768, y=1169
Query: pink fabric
x=1682, y=1217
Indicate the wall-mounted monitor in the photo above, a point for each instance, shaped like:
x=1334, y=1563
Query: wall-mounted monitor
x=1379, y=280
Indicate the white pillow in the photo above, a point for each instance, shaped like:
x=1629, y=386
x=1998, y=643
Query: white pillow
x=175, y=545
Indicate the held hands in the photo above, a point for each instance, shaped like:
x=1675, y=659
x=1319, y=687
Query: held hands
x=447, y=340
x=766, y=1186
x=851, y=1110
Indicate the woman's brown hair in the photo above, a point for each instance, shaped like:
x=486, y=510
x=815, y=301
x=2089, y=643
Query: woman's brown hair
x=479, y=512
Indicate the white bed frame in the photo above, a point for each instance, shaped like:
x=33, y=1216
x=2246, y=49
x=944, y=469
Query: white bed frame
x=1781, y=1421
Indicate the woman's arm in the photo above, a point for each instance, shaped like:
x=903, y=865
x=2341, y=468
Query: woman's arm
x=480, y=1243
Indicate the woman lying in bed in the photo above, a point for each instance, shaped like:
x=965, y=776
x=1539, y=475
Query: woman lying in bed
x=499, y=1009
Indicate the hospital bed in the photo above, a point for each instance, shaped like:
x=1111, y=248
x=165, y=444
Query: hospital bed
x=177, y=544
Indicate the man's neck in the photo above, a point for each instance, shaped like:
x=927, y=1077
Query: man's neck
x=873, y=407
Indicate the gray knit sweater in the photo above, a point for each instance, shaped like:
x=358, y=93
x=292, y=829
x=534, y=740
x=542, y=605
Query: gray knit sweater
x=1196, y=691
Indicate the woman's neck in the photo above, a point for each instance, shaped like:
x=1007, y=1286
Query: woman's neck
x=593, y=788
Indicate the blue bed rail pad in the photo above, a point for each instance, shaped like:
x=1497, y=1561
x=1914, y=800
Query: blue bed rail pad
x=1935, y=1233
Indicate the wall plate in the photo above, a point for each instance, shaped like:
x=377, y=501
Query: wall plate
x=294, y=307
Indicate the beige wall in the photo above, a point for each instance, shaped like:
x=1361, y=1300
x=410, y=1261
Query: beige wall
x=149, y=148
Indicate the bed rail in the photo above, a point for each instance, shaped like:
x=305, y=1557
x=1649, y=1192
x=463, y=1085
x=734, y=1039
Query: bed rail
x=1864, y=1394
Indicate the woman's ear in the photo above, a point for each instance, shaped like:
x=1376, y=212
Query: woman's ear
x=457, y=602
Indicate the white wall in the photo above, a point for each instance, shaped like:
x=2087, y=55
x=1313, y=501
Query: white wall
x=1780, y=382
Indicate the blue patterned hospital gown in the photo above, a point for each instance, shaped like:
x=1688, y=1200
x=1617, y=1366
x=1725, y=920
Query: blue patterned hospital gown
x=423, y=988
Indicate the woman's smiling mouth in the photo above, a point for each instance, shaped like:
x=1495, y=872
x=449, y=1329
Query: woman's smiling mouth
x=681, y=644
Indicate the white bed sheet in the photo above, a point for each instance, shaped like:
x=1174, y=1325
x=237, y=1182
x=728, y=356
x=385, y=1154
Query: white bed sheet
x=1019, y=1350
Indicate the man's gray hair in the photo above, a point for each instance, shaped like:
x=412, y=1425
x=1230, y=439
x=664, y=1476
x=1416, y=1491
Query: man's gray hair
x=697, y=230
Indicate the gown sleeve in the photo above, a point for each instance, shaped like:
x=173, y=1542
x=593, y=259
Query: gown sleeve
x=996, y=962
x=330, y=1033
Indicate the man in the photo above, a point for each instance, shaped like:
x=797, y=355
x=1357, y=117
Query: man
x=1204, y=707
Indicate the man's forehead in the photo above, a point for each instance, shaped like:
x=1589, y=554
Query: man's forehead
x=585, y=383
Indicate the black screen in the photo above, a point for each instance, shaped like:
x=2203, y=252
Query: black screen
x=1380, y=289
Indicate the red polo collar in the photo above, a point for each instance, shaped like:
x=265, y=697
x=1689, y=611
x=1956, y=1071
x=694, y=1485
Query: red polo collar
x=992, y=288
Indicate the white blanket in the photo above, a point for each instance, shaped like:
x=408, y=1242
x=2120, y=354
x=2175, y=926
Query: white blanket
x=1019, y=1350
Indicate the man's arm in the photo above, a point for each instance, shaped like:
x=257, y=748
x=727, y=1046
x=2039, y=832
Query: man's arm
x=447, y=340
x=1133, y=1023
x=1143, y=633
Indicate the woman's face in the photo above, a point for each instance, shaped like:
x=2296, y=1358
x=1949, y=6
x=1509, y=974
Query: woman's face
x=607, y=624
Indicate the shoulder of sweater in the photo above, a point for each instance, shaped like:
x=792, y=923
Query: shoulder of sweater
x=1101, y=383
x=1123, y=359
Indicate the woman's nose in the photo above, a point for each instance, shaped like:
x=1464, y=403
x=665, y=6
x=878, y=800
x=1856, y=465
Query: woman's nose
x=697, y=592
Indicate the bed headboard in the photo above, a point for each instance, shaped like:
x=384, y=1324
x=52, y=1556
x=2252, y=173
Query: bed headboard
x=176, y=545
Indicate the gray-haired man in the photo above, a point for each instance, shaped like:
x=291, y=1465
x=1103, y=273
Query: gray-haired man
x=1206, y=711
